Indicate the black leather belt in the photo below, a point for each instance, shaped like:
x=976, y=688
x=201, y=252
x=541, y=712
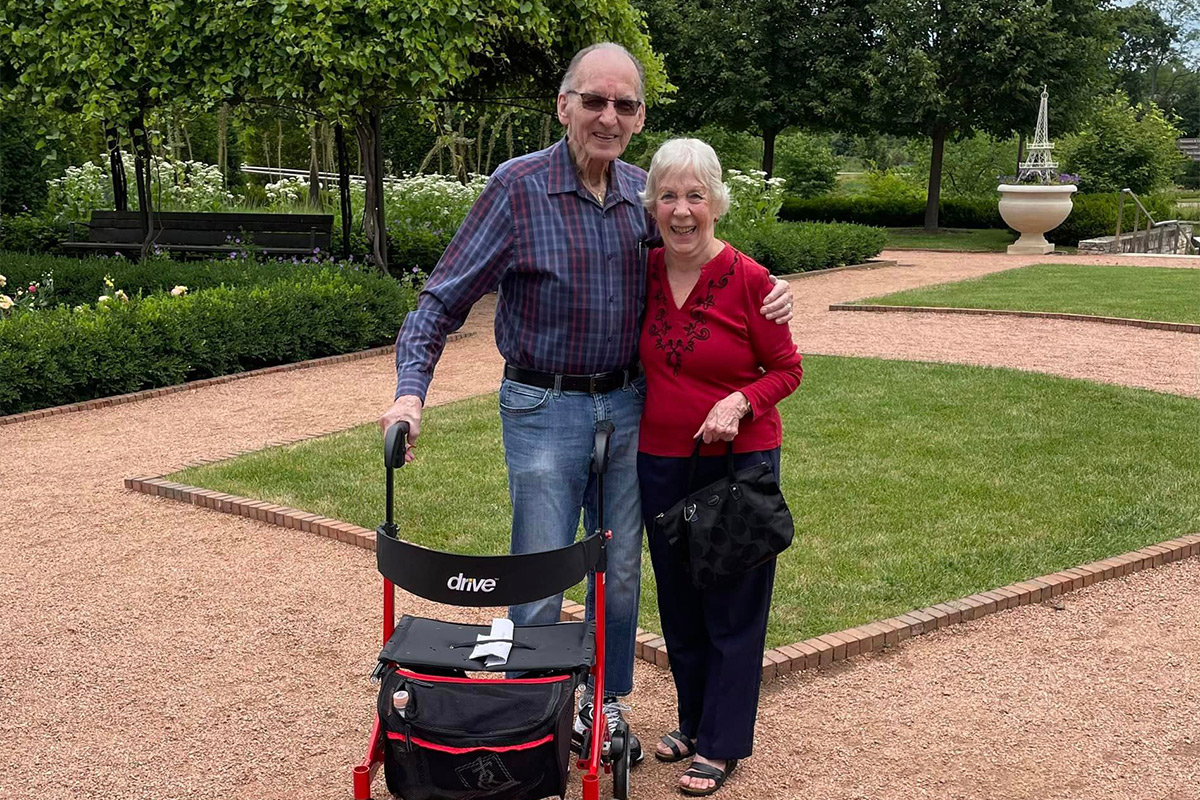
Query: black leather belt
x=599, y=383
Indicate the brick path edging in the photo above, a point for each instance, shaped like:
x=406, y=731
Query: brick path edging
x=819, y=651
x=146, y=394
x=1179, y=327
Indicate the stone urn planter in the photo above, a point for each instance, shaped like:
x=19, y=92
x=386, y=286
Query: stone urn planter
x=1032, y=210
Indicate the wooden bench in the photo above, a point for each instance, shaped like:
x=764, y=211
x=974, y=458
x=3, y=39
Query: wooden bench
x=207, y=233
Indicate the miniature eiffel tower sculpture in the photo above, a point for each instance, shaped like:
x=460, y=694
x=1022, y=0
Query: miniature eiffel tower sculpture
x=1037, y=157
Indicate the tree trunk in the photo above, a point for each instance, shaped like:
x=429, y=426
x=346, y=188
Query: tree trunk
x=478, y=166
x=768, y=159
x=458, y=159
x=142, y=156
x=371, y=156
x=116, y=164
x=330, y=159
x=223, y=141
x=343, y=157
x=381, y=223
x=935, y=180
x=314, y=167
x=187, y=140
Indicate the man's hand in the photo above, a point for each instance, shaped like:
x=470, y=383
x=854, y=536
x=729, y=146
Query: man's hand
x=407, y=408
x=722, y=422
x=777, y=305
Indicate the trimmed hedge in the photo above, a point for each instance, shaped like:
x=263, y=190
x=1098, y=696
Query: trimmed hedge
x=898, y=213
x=81, y=281
x=25, y=233
x=58, y=356
x=785, y=248
x=1094, y=214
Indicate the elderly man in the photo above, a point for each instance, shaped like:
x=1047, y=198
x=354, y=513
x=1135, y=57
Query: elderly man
x=559, y=234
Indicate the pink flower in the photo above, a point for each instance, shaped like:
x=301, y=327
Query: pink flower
x=33, y=288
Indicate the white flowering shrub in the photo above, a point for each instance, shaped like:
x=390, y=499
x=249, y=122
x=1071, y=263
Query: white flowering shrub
x=175, y=186
x=83, y=189
x=189, y=186
x=437, y=203
x=753, y=198
x=287, y=192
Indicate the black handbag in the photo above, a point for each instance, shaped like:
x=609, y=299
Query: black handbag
x=730, y=526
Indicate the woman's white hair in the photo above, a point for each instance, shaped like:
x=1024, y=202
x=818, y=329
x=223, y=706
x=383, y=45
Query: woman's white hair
x=687, y=156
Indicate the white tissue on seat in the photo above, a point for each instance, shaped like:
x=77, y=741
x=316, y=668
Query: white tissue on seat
x=496, y=644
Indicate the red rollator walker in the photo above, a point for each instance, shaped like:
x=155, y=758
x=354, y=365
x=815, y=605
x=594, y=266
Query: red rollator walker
x=444, y=728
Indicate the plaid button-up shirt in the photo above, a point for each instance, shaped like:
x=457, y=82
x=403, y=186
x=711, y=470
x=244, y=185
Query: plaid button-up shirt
x=570, y=273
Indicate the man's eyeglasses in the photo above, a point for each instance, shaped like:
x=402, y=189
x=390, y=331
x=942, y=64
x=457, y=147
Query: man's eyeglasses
x=598, y=102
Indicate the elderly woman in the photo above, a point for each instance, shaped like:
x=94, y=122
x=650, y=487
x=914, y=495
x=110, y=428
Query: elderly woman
x=715, y=368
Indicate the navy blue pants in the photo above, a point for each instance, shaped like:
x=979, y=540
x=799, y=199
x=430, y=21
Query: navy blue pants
x=715, y=636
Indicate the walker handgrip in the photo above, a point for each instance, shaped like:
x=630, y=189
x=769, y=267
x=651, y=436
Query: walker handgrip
x=601, y=453
x=394, y=442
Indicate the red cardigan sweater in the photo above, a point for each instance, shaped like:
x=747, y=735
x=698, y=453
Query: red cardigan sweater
x=716, y=344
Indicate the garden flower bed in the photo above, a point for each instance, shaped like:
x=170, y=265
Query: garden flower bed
x=187, y=323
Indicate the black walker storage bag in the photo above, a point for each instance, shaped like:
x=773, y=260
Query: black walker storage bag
x=460, y=738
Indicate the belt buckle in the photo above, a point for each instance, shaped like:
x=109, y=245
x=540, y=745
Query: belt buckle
x=592, y=387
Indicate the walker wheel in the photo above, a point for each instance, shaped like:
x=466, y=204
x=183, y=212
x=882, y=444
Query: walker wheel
x=619, y=753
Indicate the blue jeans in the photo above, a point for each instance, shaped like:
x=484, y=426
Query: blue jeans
x=548, y=440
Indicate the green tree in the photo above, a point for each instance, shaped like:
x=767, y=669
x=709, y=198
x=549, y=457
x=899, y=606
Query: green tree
x=114, y=63
x=970, y=165
x=1180, y=96
x=1123, y=146
x=1147, y=43
x=807, y=164
x=943, y=69
x=735, y=149
x=763, y=65
x=348, y=60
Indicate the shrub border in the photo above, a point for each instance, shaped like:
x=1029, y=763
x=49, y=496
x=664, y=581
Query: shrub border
x=1179, y=327
x=816, y=652
x=872, y=263
x=146, y=394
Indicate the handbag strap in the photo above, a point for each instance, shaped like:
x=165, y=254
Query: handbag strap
x=695, y=460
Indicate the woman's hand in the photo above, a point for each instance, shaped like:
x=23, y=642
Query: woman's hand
x=722, y=422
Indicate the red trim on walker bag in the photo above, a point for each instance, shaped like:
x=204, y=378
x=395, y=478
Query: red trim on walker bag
x=443, y=679
x=461, y=750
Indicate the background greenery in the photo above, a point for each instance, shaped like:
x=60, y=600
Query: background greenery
x=911, y=483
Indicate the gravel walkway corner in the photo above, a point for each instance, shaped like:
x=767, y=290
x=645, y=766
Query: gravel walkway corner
x=154, y=650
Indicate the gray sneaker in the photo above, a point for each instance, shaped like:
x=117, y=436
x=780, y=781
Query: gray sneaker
x=613, y=711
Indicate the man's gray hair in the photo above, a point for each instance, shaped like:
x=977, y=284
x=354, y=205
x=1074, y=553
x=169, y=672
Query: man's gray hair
x=568, y=81
x=687, y=156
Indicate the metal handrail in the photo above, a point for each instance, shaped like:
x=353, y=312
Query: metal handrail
x=1140, y=238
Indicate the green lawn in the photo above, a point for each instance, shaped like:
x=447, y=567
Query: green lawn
x=910, y=483
x=1166, y=294
x=968, y=240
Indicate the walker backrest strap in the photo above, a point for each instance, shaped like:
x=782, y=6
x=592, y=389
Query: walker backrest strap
x=479, y=581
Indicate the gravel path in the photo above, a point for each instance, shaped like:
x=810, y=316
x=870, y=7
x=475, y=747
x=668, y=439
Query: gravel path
x=158, y=650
